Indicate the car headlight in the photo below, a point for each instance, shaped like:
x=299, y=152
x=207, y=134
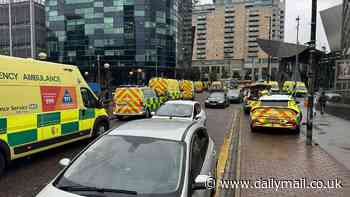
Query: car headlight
x=206, y=101
x=221, y=101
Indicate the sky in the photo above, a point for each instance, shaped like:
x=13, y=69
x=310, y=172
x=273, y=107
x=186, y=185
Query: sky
x=302, y=8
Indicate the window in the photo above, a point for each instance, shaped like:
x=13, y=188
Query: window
x=199, y=148
x=89, y=99
x=197, y=109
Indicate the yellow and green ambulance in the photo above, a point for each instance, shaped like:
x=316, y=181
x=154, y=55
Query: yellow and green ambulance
x=44, y=105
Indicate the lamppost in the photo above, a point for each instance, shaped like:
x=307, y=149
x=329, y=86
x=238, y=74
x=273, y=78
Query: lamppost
x=269, y=57
x=139, y=72
x=158, y=47
x=108, y=76
x=131, y=73
x=86, y=74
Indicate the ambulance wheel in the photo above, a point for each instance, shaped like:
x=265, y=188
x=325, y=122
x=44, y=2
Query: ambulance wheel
x=100, y=128
x=148, y=114
x=2, y=163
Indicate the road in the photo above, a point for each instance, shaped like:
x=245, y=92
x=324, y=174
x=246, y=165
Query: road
x=25, y=177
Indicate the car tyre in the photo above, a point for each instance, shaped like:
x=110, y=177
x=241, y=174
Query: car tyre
x=2, y=163
x=100, y=128
x=148, y=114
x=297, y=130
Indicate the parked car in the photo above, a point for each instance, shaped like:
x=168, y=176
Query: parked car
x=148, y=157
x=276, y=111
x=217, y=99
x=183, y=110
x=234, y=96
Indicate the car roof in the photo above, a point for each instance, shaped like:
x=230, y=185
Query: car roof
x=276, y=97
x=168, y=129
x=186, y=102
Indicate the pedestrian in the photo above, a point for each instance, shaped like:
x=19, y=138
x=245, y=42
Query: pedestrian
x=322, y=100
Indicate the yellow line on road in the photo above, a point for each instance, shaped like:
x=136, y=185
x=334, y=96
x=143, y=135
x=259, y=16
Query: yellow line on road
x=238, y=164
x=224, y=155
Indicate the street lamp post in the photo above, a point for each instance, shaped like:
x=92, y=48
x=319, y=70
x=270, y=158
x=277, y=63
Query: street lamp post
x=269, y=57
x=139, y=71
x=311, y=74
x=107, y=68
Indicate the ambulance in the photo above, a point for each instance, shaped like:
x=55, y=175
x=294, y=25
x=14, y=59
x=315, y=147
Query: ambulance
x=135, y=101
x=173, y=88
x=44, y=105
x=187, y=89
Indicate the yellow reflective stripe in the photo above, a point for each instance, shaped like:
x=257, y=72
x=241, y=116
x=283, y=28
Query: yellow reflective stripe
x=22, y=122
x=69, y=115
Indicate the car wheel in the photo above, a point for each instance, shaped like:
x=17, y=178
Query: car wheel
x=100, y=128
x=120, y=117
x=297, y=130
x=252, y=129
x=147, y=114
x=2, y=163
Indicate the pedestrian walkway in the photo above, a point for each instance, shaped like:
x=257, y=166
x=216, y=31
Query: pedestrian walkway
x=332, y=134
x=279, y=156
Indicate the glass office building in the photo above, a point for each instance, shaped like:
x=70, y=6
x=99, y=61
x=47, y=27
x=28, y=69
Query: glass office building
x=15, y=28
x=130, y=35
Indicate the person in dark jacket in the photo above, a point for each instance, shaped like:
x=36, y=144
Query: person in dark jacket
x=322, y=101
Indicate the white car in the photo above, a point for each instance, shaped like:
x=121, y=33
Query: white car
x=182, y=110
x=149, y=157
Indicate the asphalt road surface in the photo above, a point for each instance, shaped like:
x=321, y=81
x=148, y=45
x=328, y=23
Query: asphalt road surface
x=27, y=176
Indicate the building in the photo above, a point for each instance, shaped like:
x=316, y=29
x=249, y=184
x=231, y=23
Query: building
x=137, y=38
x=15, y=28
x=230, y=31
x=345, y=37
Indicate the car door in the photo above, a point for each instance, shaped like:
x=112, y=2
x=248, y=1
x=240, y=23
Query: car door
x=87, y=113
x=203, y=159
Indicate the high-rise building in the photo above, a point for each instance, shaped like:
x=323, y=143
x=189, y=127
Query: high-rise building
x=345, y=37
x=17, y=25
x=150, y=36
x=230, y=31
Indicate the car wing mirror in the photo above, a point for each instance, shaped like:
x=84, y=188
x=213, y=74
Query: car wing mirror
x=64, y=162
x=203, y=182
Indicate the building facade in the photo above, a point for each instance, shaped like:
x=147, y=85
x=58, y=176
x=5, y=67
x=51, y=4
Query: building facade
x=230, y=31
x=18, y=22
x=345, y=37
x=130, y=35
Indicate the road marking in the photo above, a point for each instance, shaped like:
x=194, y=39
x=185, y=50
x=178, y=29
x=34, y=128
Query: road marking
x=238, y=159
x=224, y=154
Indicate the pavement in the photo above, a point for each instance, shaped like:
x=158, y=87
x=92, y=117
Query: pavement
x=332, y=134
x=279, y=156
x=27, y=176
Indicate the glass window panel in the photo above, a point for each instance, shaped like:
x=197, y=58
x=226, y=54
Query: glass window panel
x=139, y=13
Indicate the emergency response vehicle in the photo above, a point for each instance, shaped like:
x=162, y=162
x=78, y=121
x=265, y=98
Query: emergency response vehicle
x=296, y=88
x=276, y=111
x=44, y=105
x=252, y=93
x=199, y=86
x=187, y=89
x=173, y=88
x=135, y=101
x=274, y=86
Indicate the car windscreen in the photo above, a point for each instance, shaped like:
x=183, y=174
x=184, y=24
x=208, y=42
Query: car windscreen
x=175, y=110
x=274, y=103
x=217, y=95
x=128, y=163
